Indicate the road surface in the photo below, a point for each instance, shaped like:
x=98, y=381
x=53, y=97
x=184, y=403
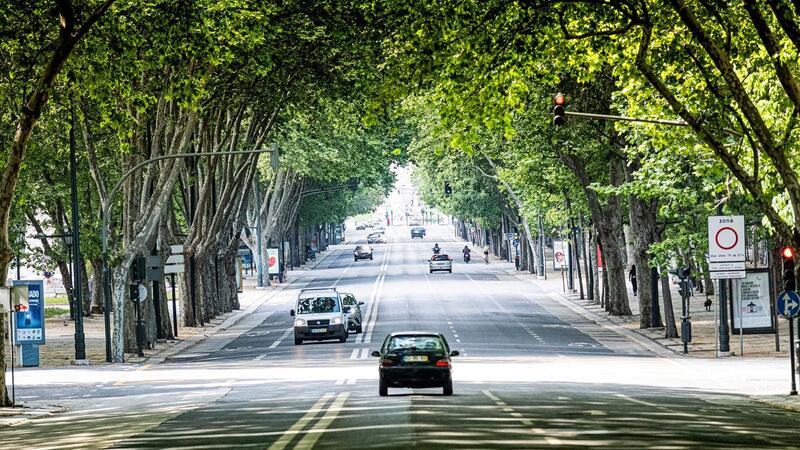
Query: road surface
x=533, y=373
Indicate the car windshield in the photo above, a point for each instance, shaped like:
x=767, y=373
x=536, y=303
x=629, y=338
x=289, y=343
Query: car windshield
x=317, y=305
x=362, y=248
x=440, y=258
x=400, y=343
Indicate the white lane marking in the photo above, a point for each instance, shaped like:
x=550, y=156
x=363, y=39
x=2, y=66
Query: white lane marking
x=506, y=408
x=351, y=381
x=354, y=354
x=370, y=306
x=310, y=415
x=313, y=435
x=458, y=340
x=340, y=382
x=374, y=317
x=364, y=353
x=280, y=339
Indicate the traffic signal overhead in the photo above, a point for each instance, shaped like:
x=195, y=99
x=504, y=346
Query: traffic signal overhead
x=559, y=102
x=447, y=189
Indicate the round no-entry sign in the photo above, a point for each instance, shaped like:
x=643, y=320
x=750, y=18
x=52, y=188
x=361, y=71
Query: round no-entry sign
x=726, y=238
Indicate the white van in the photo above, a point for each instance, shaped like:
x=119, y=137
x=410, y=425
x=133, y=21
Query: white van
x=319, y=316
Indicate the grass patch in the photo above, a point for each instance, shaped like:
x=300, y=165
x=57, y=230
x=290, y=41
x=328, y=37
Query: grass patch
x=58, y=300
x=55, y=312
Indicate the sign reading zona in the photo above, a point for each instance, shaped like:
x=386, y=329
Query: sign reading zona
x=726, y=250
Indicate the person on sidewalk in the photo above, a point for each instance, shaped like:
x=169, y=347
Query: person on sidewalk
x=486, y=254
x=632, y=277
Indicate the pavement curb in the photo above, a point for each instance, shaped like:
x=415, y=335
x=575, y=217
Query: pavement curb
x=789, y=403
x=607, y=323
x=228, y=322
x=24, y=414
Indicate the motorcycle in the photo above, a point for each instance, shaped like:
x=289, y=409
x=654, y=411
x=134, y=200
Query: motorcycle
x=311, y=255
x=436, y=250
x=466, y=258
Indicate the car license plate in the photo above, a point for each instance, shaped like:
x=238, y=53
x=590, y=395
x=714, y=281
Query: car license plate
x=319, y=330
x=415, y=359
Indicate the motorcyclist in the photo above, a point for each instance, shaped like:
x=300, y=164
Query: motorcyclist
x=436, y=248
x=466, y=252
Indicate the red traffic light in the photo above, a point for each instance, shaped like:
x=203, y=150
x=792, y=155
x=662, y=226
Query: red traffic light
x=559, y=99
x=787, y=252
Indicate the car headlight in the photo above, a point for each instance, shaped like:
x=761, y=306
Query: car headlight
x=299, y=322
x=336, y=320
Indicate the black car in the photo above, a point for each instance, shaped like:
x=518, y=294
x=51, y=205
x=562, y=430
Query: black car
x=415, y=359
x=362, y=252
x=417, y=232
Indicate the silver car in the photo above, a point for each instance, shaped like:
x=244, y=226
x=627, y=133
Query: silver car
x=440, y=263
x=362, y=252
x=352, y=308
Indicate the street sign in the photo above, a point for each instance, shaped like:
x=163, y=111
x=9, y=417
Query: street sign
x=726, y=252
x=175, y=260
x=154, y=271
x=726, y=239
x=788, y=304
x=728, y=275
x=726, y=266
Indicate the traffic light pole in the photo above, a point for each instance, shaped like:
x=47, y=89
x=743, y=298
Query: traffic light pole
x=675, y=123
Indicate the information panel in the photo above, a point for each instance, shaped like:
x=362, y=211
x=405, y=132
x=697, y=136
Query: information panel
x=30, y=320
x=751, y=308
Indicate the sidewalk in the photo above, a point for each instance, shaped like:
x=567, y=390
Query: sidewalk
x=59, y=349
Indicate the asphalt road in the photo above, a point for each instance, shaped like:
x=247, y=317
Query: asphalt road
x=532, y=374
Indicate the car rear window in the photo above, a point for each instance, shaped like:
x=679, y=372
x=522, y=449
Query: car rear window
x=440, y=257
x=415, y=343
x=317, y=305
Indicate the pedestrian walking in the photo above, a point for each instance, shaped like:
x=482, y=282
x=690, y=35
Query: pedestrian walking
x=632, y=277
x=486, y=254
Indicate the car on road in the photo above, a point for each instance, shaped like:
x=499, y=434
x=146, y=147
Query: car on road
x=415, y=359
x=376, y=238
x=414, y=221
x=362, y=252
x=417, y=232
x=440, y=263
x=361, y=226
x=379, y=230
x=352, y=308
x=319, y=316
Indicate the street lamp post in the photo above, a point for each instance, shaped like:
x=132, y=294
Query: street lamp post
x=80, y=340
x=106, y=209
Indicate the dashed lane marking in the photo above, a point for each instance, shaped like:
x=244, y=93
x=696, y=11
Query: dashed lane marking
x=280, y=339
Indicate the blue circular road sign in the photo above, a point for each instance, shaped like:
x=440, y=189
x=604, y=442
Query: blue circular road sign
x=788, y=304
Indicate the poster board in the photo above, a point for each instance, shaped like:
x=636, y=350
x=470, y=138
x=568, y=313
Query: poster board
x=560, y=255
x=752, y=307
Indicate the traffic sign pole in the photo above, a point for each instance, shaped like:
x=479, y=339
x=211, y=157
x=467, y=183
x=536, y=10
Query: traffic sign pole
x=791, y=355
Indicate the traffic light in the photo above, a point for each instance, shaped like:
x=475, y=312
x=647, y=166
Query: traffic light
x=447, y=189
x=789, y=283
x=559, y=102
x=134, y=291
x=138, y=270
